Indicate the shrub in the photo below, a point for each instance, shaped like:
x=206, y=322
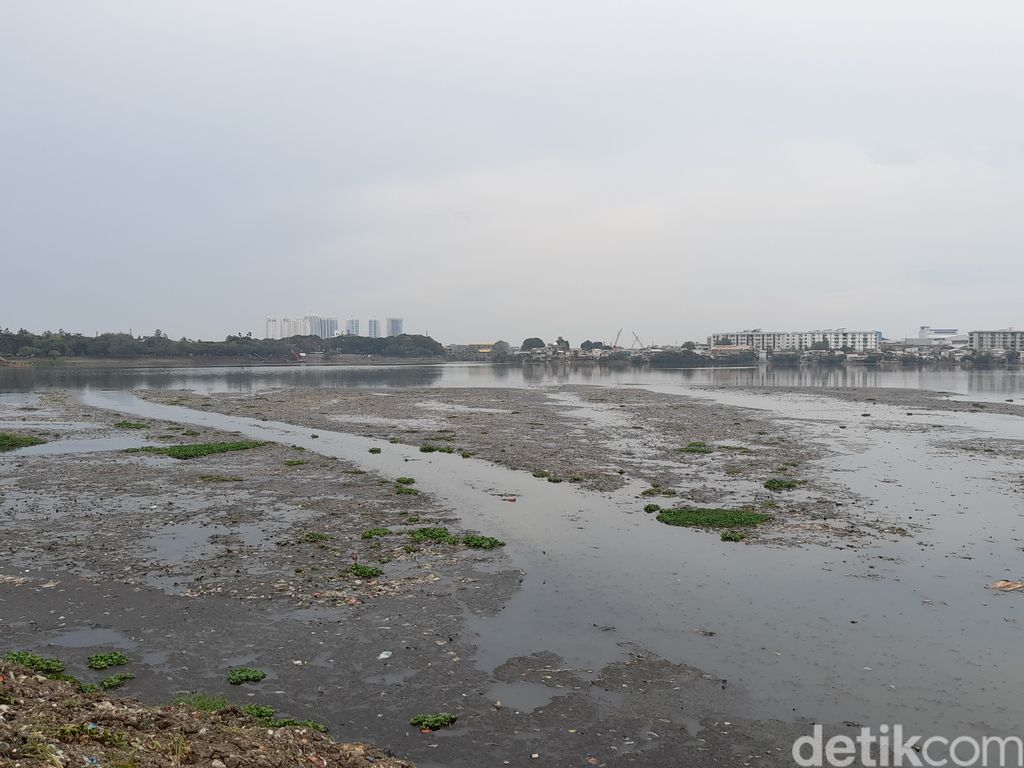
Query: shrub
x=712, y=518
x=240, y=675
x=433, y=722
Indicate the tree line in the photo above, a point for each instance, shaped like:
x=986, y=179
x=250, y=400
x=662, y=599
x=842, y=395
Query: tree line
x=59, y=344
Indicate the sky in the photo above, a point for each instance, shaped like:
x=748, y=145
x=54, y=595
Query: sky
x=502, y=170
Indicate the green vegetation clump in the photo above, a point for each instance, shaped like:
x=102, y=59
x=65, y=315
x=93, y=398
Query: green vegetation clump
x=696, y=446
x=372, y=532
x=203, y=702
x=428, y=448
x=657, y=490
x=191, y=432
x=782, y=484
x=734, y=448
x=361, y=571
x=10, y=441
x=131, y=425
x=375, y=450
x=116, y=681
x=405, y=490
x=295, y=462
x=697, y=517
x=265, y=716
x=104, y=660
x=554, y=479
x=198, y=450
x=651, y=508
x=434, y=533
x=541, y=473
x=733, y=536
x=433, y=722
x=220, y=478
x=240, y=675
x=35, y=662
x=482, y=542
x=466, y=454
x=314, y=537
x=405, y=481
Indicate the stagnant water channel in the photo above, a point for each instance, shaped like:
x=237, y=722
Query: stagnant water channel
x=903, y=630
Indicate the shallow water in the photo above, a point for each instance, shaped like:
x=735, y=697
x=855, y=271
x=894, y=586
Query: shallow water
x=902, y=630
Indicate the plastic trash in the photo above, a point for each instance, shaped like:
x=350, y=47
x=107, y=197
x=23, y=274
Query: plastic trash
x=383, y=655
x=1007, y=586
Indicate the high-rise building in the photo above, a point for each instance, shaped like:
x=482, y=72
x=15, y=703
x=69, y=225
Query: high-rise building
x=352, y=327
x=393, y=326
x=308, y=325
x=373, y=328
x=273, y=328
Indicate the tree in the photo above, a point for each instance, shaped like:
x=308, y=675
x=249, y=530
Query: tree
x=562, y=344
x=823, y=344
x=532, y=343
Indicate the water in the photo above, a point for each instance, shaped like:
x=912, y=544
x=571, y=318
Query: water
x=897, y=630
x=995, y=385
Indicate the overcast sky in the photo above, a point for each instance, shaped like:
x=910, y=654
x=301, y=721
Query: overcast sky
x=499, y=170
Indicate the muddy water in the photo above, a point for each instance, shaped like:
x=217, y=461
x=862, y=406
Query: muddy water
x=902, y=630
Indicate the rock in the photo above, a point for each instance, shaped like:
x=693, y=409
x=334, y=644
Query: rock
x=217, y=764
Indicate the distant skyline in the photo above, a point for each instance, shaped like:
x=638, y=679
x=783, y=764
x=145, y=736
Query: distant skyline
x=504, y=171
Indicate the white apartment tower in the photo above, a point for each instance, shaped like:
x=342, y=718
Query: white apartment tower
x=393, y=326
x=373, y=328
x=352, y=327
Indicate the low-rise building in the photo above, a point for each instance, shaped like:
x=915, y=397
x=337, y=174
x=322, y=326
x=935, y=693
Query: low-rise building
x=836, y=338
x=1004, y=339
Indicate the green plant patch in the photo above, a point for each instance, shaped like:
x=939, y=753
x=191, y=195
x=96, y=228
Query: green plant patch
x=733, y=536
x=240, y=675
x=315, y=537
x=372, y=532
x=466, y=454
x=10, y=441
x=651, y=508
x=782, y=484
x=191, y=432
x=405, y=480
x=482, y=542
x=116, y=681
x=405, y=490
x=198, y=450
x=35, y=662
x=434, y=533
x=697, y=446
x=375, y=450
x=554, y=479
x=433, y=722
x=541, y=473
x=734, y=448
x=295, y=462
x=104, y=660
x=361, y=571
x=265, y=716
x=697, y=517
x=203, y=702
x=131, y=425
x=658, y=491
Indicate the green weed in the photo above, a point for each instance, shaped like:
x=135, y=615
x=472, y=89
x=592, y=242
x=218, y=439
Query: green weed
x=10, y=441
x=198, y=450
x=370, y=533
x=482, y=542
x=405, y=481
x=651, y=508
x=361, y=571
x=104, y=660
x=375, y=450
x=433, y=722
x=733, y=536
x=35, y=662
x=203, y=702
x=116, y=681
x=696, y=446
x=240, y=675
x=712, y=518
x=435, y=533
x=131, y=425
x=782, y=484
x=295, y=462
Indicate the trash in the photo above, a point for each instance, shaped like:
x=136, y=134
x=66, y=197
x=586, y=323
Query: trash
x=1006, y=586
x=383, y=655
x=509, y=498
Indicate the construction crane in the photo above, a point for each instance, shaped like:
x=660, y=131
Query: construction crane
x=642, y=345
x=616, y=342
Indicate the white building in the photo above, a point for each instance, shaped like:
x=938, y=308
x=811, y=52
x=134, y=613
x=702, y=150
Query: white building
x=1004, y=339
x=352, y=327
x=273, y=330
x=937, y=337
x=393, y=326
x=373, y=328
x=308, y=325
x=837, y=338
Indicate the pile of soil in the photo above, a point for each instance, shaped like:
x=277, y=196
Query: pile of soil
x=48, y=722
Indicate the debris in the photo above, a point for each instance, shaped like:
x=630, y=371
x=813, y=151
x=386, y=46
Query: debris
x=383, y=655
x=1006, y=586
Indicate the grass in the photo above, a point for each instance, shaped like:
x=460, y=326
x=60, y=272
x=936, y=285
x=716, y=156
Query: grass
x=482, y=542
x=433, y=722
x=375, y=450
x=657, y=490
x=428, y=448
x=405, y=490
x=361, y=571
x=734, y=448
x=198, y=450
x=295, y=462
x=733, y=536
x=372, y=532
x=405, y=481
x=782, y=484
x=131, y=425
x=191, y=432
x=203, y=702
x=412, y=519
x=116, y=681
x=315, y=537
x=104, y=660
x=266, y=717
x=697, y=446
x=9, y=441
x=697, y=517
x=554, y=479
x=434, y=533
x=651, y=508
x=35, y=662
x=220, y=478
x=240, y=675
x=541, y=473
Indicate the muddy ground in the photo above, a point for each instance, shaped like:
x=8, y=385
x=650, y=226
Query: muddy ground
x=244, y=559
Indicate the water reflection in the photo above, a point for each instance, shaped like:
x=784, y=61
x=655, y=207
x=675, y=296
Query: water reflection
x=995, y=384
